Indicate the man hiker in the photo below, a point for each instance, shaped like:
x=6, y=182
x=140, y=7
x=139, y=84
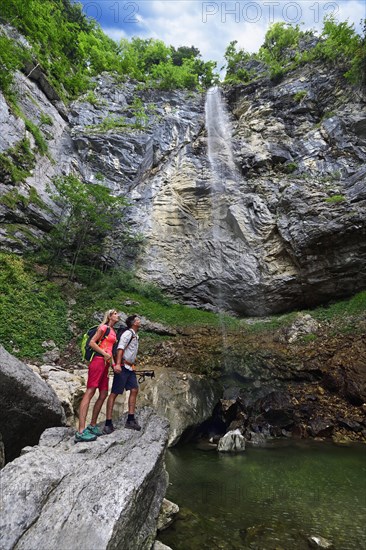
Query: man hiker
x=124, y=375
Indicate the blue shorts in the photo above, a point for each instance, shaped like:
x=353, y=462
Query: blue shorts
x=125, y=380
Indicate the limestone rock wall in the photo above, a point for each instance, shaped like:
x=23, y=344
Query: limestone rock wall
x=285, y=229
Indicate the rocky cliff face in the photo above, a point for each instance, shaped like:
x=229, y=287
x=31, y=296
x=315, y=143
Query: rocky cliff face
x=281, y=225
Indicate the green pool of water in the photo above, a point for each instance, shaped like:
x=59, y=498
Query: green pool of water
x=268, y=498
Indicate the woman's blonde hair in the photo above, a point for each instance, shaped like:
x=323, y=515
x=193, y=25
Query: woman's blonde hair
x=107, y=316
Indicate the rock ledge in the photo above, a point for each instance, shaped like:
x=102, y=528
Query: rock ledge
x=104, y=494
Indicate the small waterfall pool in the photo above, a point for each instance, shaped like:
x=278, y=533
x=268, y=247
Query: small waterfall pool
x=268, y=498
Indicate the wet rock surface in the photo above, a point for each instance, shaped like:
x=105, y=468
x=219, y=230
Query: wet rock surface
x=309, y=388
x=185, y=399
x=104, y=494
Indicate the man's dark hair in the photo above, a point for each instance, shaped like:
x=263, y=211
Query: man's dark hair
x=130, y=320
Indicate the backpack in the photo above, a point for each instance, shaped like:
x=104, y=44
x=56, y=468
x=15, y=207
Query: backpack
x=87, y=352
x=119, y=333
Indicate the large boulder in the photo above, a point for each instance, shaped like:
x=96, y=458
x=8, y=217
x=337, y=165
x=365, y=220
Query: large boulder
x=186, y=400
x=104, y=494
x=28, y=405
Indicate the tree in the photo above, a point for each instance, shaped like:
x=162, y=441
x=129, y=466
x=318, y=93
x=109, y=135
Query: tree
x=184, y=52
x=88, y=213
x=235, y=64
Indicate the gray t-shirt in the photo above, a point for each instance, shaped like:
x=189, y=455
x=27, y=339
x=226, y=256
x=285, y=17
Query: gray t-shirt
x=131, y=350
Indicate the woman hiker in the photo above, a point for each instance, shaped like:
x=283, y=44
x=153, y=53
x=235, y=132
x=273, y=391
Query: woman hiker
x=102, y=343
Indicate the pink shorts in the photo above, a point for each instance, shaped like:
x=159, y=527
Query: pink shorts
x=98, y=374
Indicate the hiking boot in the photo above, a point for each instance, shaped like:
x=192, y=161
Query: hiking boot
x=133, y=425
x=94, y=430
x=108, y=429
x=85, y=436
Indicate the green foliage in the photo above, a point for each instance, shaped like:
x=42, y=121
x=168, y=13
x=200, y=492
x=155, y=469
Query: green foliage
x=334, y=199
x=92, y=98
x=110, y=123
x=72, y=48
x=183, y=52
x=169, y=77
x=235, y=59
x=46, y=120
x=88, y=213
x=339, y=41
x=69, y=47
x=342, y=309
x=299, y=96
x=16, y=163
x=164, y=67
x=341, y=45
x=286, y=47
x=290, y=167
x=281, y=42
x=37, y=134
x=280, y=50
x=118, y=286
x=139, y=112
x=31, y=310
x=13, y=198
x=12, y=58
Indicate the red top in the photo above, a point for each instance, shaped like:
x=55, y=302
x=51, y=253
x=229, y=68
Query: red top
x=107, y=343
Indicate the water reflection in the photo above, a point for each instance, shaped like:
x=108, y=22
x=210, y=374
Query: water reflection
x=268, y=498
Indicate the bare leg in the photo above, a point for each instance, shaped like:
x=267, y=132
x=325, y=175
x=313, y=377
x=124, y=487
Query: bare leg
x=110, y=405
x=132, y=401
x=84, y=406
x=98, y=405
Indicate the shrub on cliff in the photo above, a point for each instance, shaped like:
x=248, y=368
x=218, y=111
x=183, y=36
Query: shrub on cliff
x=72, y=48
x=286, y=46
x=88, y=213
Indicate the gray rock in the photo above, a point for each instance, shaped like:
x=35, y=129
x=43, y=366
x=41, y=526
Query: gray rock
x=232, y=442
x=320, y=427
x=2, y=452
x=104, y=494
x=51, y=356
x=194, y=396
x=315, y=541
x=29, y=405
x=160, y=546
x=167, y=514
x=303, y=325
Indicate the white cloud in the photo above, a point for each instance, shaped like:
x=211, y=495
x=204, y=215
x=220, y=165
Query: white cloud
x=116, y=33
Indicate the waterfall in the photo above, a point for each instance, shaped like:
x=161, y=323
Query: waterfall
x=222, y=173
x=219, y=135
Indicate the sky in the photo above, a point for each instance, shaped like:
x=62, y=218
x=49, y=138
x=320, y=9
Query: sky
x=211, y=25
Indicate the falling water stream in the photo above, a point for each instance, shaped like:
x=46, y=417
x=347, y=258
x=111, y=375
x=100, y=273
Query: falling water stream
x=223, y=174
